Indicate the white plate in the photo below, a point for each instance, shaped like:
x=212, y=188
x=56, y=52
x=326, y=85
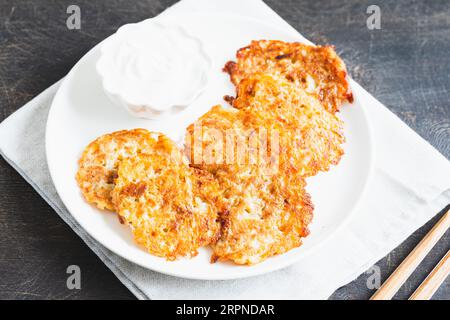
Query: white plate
x=81, y=112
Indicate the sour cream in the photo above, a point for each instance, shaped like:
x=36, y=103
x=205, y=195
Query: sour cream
x=153, y=69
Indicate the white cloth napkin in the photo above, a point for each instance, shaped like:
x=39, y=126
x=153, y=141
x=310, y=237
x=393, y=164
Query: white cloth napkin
x=410, y=184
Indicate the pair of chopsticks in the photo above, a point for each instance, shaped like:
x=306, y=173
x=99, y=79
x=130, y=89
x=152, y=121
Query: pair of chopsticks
x=434, y=280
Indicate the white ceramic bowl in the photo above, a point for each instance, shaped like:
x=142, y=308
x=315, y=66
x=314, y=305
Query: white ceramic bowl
x=153, y=69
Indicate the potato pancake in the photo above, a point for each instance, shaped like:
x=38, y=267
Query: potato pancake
x=316, y=69
x=168, y=205
x=265, y=216
x=100, y=159
x=310, y=137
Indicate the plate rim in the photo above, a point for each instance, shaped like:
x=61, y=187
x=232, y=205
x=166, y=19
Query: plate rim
x=249, y=272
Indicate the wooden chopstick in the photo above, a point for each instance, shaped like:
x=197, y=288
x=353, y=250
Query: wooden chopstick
x=406, y=268
x=434, y=280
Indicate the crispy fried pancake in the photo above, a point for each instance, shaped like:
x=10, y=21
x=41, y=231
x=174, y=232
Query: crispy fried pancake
x=316, y=69
x=99, y=161
x=310, y=137
x=264, y=210
x=168, y=205
x=266, y=215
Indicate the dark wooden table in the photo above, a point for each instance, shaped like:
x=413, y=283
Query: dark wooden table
x=405, y=64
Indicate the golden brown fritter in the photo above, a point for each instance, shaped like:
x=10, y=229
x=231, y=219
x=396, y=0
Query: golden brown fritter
x=264, y=210
x=168, y=205
x=310, y=137
x=265, y=216
x=316, y=69
x=299, y=132
x=99, y=161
